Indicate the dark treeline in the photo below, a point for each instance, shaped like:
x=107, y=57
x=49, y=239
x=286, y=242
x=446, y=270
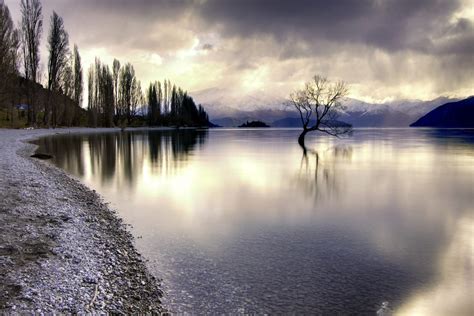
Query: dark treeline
x=115, y=96
x=169, y=105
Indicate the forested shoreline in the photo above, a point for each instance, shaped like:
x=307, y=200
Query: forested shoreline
x=115, y=97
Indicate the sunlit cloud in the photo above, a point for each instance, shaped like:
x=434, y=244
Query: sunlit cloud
x=155, y=59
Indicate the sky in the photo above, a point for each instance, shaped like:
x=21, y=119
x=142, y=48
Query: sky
x=384, y=49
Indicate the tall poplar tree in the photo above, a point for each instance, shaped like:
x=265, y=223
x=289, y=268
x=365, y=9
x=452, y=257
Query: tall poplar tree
x=31, y=30
x=58, y=46
x=78, y=85
x=8, y=51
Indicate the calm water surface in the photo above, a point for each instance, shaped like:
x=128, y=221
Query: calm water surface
x=242, y=221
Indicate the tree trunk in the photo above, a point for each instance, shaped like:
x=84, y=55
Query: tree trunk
x=301, y=139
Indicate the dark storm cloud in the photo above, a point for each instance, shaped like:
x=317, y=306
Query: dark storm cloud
x=424, y=40
x=127, y=9
x=457, y=38
x=382, y=45
x=386, y=24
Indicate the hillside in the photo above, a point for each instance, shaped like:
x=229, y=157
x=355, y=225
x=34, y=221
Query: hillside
x=14, y=104
x=454, y=114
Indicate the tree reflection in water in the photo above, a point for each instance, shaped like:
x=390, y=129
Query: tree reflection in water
x=121, y=155
x=317, y=175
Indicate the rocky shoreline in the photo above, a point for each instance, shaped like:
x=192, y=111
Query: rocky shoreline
x=62, y=249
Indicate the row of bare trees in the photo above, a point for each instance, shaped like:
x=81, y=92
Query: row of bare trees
x=116, y=99
x=115, y=96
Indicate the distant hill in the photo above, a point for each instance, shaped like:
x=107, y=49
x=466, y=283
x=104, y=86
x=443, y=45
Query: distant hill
x=254, y=124
x=377, y=118
x=212, y=125
x=288, y=122
x=296, y=122
x=229, y=121
x=454, y=114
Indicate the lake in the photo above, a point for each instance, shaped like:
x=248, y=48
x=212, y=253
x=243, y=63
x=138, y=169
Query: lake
x=240, y=221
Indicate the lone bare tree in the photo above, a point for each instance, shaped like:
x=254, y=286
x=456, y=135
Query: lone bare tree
x=31, y=29
x=318, y=105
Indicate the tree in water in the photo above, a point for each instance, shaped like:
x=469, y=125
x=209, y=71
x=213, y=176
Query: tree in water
x=318, y=105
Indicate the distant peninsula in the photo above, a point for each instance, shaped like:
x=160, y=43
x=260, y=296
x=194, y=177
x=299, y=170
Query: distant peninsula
x=254, y=124
x=458, y=114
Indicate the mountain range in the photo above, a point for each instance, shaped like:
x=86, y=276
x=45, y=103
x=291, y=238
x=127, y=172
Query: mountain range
x=231, y=111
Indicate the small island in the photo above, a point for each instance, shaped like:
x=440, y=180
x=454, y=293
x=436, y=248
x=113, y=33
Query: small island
x=253, y=124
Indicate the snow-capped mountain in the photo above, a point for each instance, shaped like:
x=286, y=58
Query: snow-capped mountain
x=400, y=113
x=226, y=109
x=219, y=102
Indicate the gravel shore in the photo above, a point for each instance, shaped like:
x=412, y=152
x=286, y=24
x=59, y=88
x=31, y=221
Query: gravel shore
x=61, y=248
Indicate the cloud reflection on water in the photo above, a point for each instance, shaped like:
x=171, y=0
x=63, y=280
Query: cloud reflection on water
x=395, y=202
